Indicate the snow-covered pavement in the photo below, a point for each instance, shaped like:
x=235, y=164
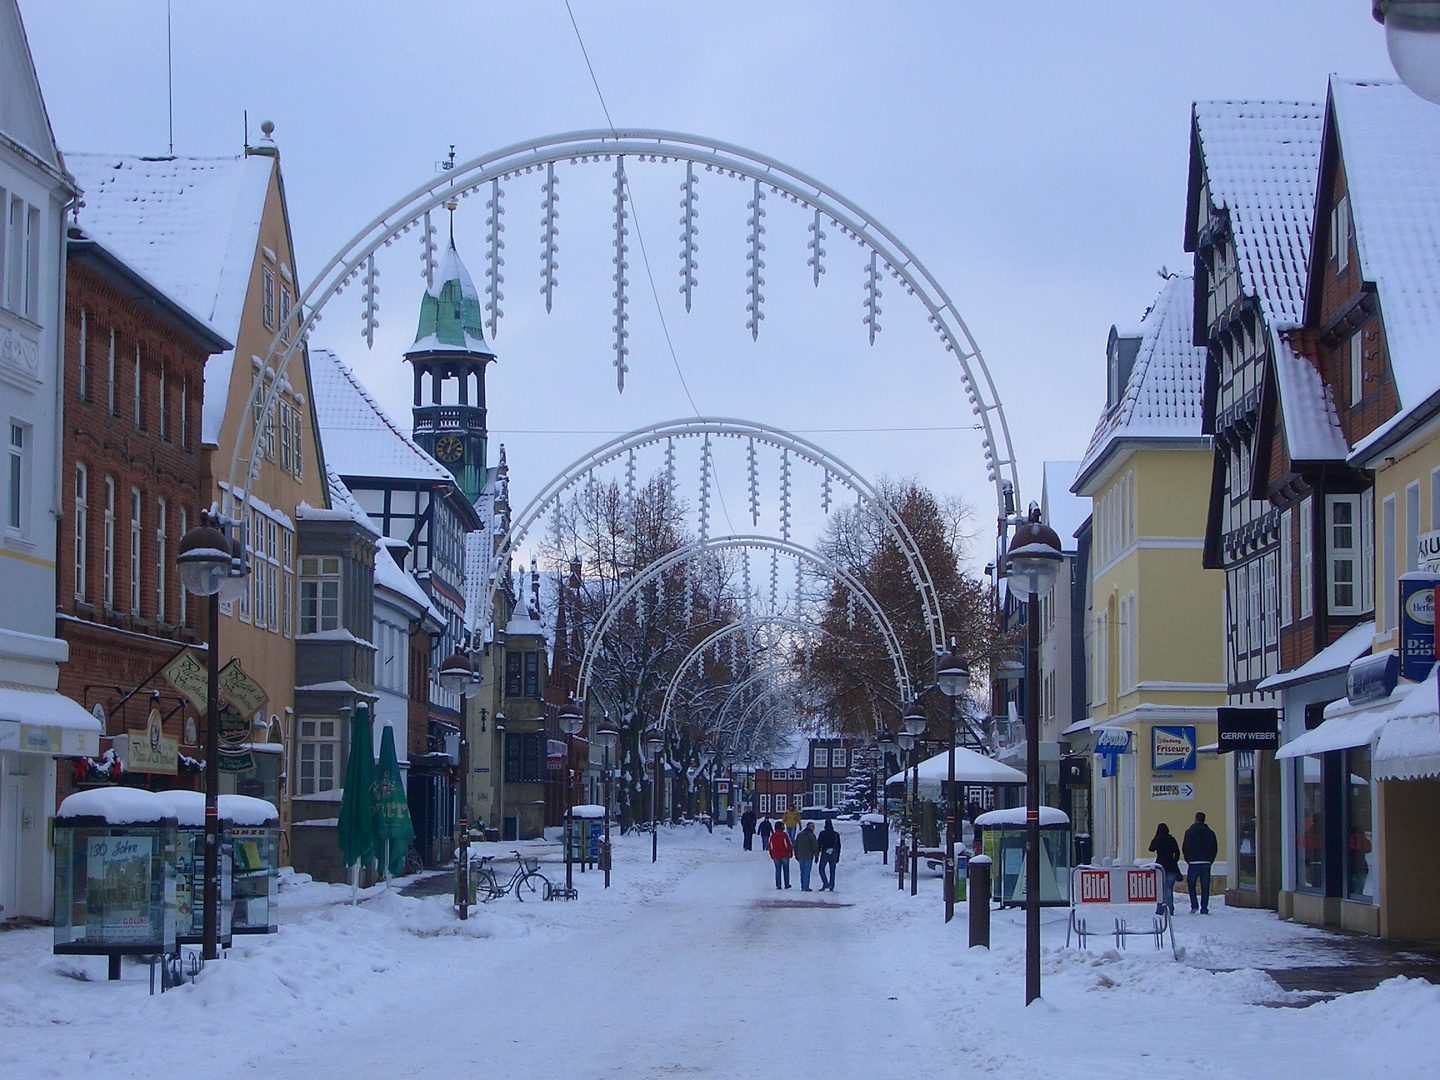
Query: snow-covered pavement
x=696, y=966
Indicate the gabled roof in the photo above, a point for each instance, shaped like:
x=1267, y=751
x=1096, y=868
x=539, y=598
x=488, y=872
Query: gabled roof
x=1059, y=508
x=1162, y=399
x=450, y=319
x=360, y=438
x=1261, y=160
x=1389, y=140
x=1307, y=407
x=390, y=576
x=23, y=118
x=191, y=226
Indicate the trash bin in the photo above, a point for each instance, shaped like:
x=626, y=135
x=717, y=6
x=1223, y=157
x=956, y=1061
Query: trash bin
x=1084, y=849
x=874, y=832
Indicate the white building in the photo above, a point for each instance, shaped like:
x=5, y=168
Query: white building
x=37, y=724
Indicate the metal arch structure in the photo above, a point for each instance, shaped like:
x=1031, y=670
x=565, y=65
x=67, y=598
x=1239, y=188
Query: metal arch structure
x=750, y=680
x=701, y=547
x=717, y=636
x=725, y=427
x=887, y=253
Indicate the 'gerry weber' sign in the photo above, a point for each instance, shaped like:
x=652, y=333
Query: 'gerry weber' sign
x=1246, y=729
x=1172, y=749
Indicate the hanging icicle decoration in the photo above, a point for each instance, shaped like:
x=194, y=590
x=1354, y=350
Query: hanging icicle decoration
x=799, y=596
x=549, y=230
x=752, y=467
x=494, y=244
x=849, y=609
x=622, y=283
x=370, y=283
x=825, y=496
x=689, y=595
x=872, y=297
x=774, y=580
x=816, y=245
x=670, y=472
x=785, y=495
x=427, y=252
x=705, y=492
x=630, y=477
x=756, y=264
x=745, y=580
x=689, y=230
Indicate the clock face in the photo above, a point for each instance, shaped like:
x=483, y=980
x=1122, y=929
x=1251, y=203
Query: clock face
x=449, y=449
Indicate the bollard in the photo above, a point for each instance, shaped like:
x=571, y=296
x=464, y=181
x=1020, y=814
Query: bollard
x=978, y=873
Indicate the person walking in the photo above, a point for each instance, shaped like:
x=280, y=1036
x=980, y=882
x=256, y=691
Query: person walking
x=807, y=846
x=792, y=820
x=1200, y=848
x=747, y=826
x=780, y=850
x=765, y=830
x=829, y=855
x=1167, y=854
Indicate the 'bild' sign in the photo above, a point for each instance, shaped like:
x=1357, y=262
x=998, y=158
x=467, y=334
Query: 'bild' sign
x=1140, y=886
x=1094, y=886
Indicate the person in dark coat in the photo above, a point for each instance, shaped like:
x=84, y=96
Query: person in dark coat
x=765, y=830
x=807, y=846
x=1167, y=854
x=1200, y=848
x=747, y=826
x=829, y=855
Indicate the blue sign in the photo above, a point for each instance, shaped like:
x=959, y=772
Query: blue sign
x=1110, y=743
x=1372, y=678
x=1417, y=624
x=1172, y=749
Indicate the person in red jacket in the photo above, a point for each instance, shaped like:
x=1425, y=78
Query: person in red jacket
x=780, y=850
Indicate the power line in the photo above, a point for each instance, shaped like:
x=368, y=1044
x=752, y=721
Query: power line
x=793, y=431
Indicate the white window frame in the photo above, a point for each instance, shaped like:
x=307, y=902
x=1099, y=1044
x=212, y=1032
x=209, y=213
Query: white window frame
x=1367, y=550
x=311, y=742
x=1241, y=593
x=764, y=801
x=837, y=757
x=822, y=757
x=820, y=794
x=17, y=478
x=287, y=541
x=1307, y=557
x=109, y=545
x=267, y=297
x=82, y=496
x=1357, y=367
x=317, y=573
x=1340, y=233
x=1271, y=599
x=184, y=598
x=139, y=406
x=1389, y=588
x=82, y=384
x=1287, y=568
x=161, y=522
x=137, y=511
x=110, y=388
x=1341, y=559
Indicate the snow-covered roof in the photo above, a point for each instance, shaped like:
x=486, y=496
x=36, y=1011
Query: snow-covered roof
x=22, y=106
x=389, y=575
x=1307, y=407
x=1262, y=161
x=191, y=226
x=1331, y=660
x=1062, y=510
x=450, y=319
x=359, y=437
x=524, y=622
x=1390, y=141
x=1162, y=399
x=1015, y=815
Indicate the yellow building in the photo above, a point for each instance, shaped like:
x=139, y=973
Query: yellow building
x=215, y=234
x=1154, y=623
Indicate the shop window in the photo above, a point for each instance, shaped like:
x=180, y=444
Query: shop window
x=319, y=750
x=1246, y=866
x=1310, y=826
x=319, y=594
x=1359, y=827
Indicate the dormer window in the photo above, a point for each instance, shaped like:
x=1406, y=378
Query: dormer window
x=1340, y=233
x=1120, y=362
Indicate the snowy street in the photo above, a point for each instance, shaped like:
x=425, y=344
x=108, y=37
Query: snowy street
x=697, y=966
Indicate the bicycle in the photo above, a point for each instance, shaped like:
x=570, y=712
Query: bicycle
x=527, y=881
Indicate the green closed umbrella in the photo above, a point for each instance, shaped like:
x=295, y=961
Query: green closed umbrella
x=355, y=829
x=394, y=832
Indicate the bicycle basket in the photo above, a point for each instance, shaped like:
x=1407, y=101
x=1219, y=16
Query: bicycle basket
x=530, y=865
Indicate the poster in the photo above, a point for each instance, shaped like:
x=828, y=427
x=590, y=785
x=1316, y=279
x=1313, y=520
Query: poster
x=118, y=908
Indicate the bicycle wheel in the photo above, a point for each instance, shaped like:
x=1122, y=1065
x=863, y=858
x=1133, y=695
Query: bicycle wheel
x=533, y=886
x=486, y=887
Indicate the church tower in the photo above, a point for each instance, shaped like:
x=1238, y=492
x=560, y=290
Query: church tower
x=450, y=352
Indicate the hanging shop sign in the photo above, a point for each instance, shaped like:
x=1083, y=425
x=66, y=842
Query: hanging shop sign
x=241, y=690
x=190, y=677
x=1428, y=555
x=1247, y=729
x=1417, y=624
x=1172, y=749
x=151, y=751
x=1372, y=678
x=1111, y=744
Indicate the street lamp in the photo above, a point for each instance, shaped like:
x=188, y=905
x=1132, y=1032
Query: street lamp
x=571, y=721
x=705, y=755
x=460, y=674
x=654, y=743
x=211, y=562
x=607, y=734
x=1412, y=38
x=1033, y=560
x=914, y=724
x=952, y=675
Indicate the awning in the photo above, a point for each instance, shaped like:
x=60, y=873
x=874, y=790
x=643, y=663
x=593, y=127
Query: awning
x=39, y=721
x=970, y=768
x=1077, y=727
x=1409, y=749
x=1337, y=733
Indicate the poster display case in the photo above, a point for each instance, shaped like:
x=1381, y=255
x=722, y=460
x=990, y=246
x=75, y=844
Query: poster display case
x=255, y=862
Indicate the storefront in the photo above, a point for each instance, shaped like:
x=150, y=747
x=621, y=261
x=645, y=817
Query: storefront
x=37, y=728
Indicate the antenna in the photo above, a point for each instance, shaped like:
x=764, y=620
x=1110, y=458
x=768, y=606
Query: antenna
x=170, y=75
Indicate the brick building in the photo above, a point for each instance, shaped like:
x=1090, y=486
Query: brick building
x=133, y=482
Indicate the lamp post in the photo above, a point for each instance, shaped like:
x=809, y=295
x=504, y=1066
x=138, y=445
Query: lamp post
x=461, y=675
x=706, y=755
x=914, y=725
x=888, y=750
x=654, y=743
x=952, y=674
x=1412, y=38
x=1033, y=560
x=500, y=787
x=607, y=734
x=571, y=721
x=211, y=563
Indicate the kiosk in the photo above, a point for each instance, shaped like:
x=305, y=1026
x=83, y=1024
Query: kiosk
x=1004, y=842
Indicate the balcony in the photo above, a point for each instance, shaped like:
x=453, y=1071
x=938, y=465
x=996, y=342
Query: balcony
x=438, y=418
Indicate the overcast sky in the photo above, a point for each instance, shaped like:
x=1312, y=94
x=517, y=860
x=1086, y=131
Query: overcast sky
x=1033, y=156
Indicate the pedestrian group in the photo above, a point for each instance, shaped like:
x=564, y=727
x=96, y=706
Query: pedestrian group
x=788, y=840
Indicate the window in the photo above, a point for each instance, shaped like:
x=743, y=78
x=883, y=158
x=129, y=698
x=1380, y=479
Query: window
x=532, y=674
x=1124, y=644
x=837, y=758
x=139, y=418
x=284, y=313
x=319, y=594
x=184, y=601
x=1412, y=527
x=820, y=794
x=512, y=674
x=1340, y=233
x=319, y=745
x=1357, y=367
x=822, y=758
x=288, y=542
x=32, y=263
x=1309, y=826
x=267, y=296
x=285, y=415
x=764, y=804
x=255, y=544
x=299, y=457
x=15, y=256
x=82, y=384
x=525, y=758
x=164, y=418
x=1343, y=553
x=15, y=484
x=1367, y=550
x=1388, y=587
x=1102, y=657
x=82, y=493
x=110, y=376
x=1271, y=600
x=1359, y=826
x=1307, y=559
x=109, y=544
x=135, y=550
x=779, y=804
x=160, y=563
x=185, y=413
x=1242, y=621
x=1287, y=567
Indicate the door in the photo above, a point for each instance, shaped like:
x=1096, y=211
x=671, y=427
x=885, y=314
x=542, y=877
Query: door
x=10, y=788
